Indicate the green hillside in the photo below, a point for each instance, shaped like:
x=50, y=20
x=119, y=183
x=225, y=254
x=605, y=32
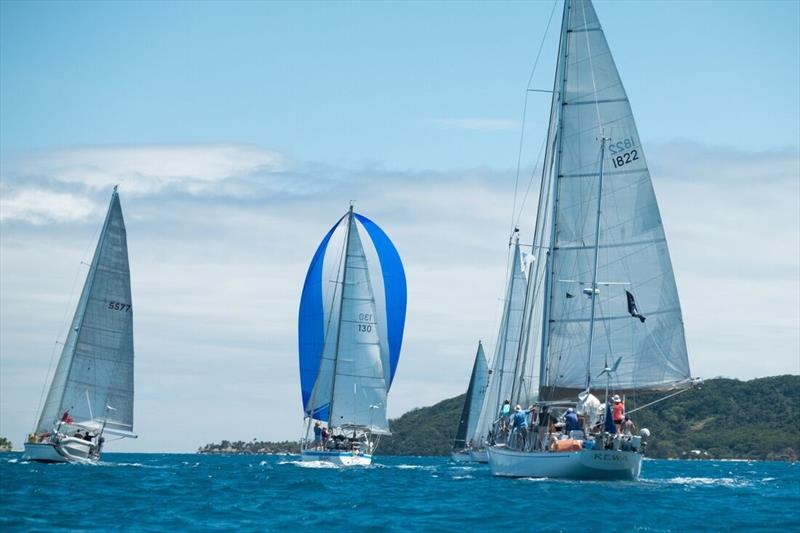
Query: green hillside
x=725, y=418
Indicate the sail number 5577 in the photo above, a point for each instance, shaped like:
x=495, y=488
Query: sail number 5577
x=119, y=306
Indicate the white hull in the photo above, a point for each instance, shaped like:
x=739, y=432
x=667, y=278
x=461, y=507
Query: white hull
x=460, y=457
x=68, y=450
x=338, y=457
x=585, y=464
x=479, y=456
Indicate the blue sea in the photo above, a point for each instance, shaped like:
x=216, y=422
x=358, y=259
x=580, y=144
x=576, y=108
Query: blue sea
x=157, y=492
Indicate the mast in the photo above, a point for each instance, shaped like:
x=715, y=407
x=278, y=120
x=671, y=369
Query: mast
x=595, y=291
x=558, y=101
x=341, y=305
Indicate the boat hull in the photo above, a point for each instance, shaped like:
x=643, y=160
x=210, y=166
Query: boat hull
x=584, y=464
x=461, y=457
x=479, y=456
x=339, y=458
x=68, y=450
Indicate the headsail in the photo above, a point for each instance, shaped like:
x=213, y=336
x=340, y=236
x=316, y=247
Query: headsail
x=590, y=105
x=501, y=379
x=473, y=400
x=352, y=314
x=94, y=376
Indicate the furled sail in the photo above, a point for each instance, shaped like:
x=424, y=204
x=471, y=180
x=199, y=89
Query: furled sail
x=501, y=379
x=590, y=107
x=351, y=320
x=94, y=376
x=473, y=400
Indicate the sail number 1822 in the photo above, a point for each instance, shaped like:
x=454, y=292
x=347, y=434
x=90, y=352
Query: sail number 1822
x=622, y=152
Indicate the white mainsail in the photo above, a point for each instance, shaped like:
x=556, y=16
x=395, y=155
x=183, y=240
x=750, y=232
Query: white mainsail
x=94, y=376
x=504, y=363
x=585, y=276
x=478, y=382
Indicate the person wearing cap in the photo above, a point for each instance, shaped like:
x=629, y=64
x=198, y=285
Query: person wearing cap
x=571, y=421
x=618, y=412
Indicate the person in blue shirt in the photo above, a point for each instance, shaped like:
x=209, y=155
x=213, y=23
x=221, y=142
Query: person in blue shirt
x=520, y=423
x=571, y=421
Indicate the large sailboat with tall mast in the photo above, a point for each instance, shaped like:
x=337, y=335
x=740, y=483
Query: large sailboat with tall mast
x=602, y=315
x=91, y=393
x=351, y=320
x=491, y=427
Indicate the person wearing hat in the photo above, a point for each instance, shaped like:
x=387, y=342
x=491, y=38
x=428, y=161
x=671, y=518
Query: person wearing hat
x=618, y=412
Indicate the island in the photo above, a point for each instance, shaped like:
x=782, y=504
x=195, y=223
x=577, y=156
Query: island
x=724, y=418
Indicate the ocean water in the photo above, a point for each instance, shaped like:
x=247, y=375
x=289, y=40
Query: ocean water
x=156, y=492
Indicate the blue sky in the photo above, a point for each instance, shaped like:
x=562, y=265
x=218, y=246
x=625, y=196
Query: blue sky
x=356, y=83
x=239, y=132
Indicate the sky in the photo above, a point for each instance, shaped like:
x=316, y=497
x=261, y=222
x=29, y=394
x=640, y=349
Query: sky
x=239, y=132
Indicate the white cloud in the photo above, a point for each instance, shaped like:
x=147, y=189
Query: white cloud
x=149, y=169
x=40, y=206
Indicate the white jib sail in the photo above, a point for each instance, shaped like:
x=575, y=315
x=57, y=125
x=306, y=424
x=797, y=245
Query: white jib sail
x=358, y=385
x=94, y=376
x=501, y=378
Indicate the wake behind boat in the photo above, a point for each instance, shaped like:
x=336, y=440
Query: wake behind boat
x=352, y=315
x=91, y=394
x=602, y=315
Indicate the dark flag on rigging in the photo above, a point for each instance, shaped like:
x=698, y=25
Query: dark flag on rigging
x=632, y=309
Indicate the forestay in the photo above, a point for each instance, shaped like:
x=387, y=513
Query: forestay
x=590, y=104
x=94, y=376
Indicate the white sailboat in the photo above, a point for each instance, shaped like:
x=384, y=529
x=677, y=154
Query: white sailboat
x=91, y=394
x=501, y=376
x=352, y=315
x=473, y=400
x=603, y=314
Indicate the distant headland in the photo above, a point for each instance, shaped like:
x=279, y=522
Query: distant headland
x=757, y=419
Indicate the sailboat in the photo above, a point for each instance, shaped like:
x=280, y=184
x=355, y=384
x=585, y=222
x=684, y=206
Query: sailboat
x=489, y=428
x=351, y=320
x=473, y=400
x=602, y=316
x=91, y=393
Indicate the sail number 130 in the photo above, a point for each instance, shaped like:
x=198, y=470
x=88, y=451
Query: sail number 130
x=365, y=317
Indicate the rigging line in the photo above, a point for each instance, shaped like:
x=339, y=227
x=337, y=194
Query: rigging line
x=524, y=114
x=591, y=70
